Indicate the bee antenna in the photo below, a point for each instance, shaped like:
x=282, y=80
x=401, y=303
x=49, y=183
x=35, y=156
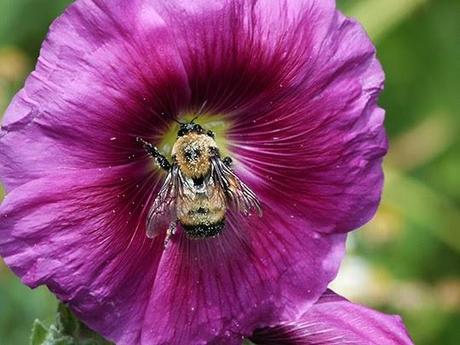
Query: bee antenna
x=200, y=111
x=177, y=121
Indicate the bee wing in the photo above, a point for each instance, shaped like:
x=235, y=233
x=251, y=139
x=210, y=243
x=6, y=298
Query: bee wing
x=239, y=194
x=163, y=208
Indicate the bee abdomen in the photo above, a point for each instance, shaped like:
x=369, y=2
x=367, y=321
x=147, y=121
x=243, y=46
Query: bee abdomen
x=203, y=230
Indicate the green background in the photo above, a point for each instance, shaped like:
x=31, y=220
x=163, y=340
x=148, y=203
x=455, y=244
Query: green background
x=406, y=260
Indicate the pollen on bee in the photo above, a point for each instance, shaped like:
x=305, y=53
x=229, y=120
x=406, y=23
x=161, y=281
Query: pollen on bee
x=192, y=154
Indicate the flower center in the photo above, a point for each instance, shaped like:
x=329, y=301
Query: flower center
x=216, y=123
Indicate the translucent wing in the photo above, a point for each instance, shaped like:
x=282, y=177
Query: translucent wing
x=163, y=208
x=238, y=193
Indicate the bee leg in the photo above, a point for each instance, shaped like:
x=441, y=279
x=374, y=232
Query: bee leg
x=161, y=160
x=170, y=232
x=228, y=162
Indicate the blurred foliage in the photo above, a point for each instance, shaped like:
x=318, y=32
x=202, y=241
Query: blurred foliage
x=19, y=307
x=407, y=259
x=25, y=22
x=67, y=330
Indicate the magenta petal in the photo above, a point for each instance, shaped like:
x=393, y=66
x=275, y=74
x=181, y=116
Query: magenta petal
x=104, y=76
x=81, y=233
x=334, y=320
x=297, y=80
x=313, y=143
x=219, y=290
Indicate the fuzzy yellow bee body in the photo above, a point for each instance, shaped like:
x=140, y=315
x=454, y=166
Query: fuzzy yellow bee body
x=199, y=186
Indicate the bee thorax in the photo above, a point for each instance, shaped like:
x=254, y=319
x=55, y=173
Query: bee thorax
x=192, y=153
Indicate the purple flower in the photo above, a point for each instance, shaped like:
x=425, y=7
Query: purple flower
x=335, y=321
x=290, y=88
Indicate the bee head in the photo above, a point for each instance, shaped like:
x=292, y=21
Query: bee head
x=189, y=127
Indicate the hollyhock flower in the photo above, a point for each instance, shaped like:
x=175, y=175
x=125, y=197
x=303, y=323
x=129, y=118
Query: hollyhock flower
x=334, y=320
x=289, y=87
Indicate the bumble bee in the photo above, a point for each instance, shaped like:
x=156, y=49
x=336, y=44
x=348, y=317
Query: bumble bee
x=198, y=188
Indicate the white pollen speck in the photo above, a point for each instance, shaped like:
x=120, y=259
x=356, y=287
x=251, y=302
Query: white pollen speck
x=113, y=138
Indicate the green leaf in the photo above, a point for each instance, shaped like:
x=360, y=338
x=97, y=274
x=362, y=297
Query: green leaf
x=61, y=341
x=67, y=330
x=89, y=337
x=39, y=333
x=98, y=340
x=66, y=322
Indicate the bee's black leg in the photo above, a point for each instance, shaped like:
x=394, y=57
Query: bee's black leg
x=170, y=232
x=161, y=160
x=228, y=162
